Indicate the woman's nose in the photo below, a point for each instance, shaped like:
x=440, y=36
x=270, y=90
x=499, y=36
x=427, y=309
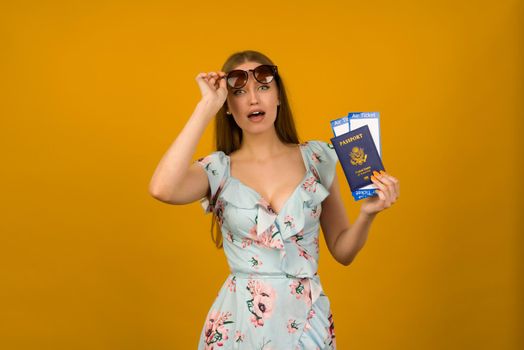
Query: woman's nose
x=253, y=97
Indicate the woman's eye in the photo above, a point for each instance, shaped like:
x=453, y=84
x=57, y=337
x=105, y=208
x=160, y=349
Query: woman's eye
x=239, y=91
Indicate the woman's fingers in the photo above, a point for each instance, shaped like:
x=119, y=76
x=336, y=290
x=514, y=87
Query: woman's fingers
x=388, y=185
x=201, y=79
x=222, y=87
x=388, y=181
x=384, y=189
x=393, y=183
x=212, y=78
x=209, y=81
x=377, y=180
x=221, y=82
x=396, y=184
x=382, y=192
x=387, y=192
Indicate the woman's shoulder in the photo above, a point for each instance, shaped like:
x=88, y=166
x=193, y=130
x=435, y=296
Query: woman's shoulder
x=318, y=146
x=322, y=153
x=323, y=159
x=215, y=155
x=214, y=162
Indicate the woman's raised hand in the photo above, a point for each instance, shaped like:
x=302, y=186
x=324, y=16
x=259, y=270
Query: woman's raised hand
x=213, y=87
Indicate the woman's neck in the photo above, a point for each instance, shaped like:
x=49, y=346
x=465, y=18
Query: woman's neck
x=260, y=147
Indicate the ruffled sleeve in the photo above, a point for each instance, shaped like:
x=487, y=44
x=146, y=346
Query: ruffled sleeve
x=324, y=159
x=215, y=165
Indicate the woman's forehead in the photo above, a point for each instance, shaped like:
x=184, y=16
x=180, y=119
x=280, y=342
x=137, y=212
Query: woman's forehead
x=247, y=65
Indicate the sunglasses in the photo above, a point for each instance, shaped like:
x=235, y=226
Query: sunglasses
x=264, y=74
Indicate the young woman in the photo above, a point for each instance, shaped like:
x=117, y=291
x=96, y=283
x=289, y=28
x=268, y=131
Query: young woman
x=269, y=194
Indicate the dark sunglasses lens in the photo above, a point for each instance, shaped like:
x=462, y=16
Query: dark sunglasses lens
x=236, y=79
x=264, y=74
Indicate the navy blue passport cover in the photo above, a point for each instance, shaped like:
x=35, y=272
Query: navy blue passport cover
x=358, y=156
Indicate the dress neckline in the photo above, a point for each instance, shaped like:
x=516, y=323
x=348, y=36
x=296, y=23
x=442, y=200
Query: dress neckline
x=261, y=198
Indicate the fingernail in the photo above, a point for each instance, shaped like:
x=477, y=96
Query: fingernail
x=375, y=173
x=382, y=172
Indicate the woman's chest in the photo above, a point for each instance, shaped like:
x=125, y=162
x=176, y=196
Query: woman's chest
x=275, y=183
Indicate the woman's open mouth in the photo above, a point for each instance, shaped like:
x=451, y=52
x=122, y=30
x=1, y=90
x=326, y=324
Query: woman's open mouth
x=256, y=116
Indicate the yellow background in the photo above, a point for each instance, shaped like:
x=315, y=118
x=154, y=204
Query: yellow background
x=94, y=92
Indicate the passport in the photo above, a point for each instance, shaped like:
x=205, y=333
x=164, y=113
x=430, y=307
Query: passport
x=358, y=156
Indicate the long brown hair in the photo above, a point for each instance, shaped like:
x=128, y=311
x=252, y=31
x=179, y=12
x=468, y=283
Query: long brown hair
x=228, y=135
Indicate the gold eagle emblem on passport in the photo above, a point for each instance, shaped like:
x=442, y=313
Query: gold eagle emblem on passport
x=358, y=157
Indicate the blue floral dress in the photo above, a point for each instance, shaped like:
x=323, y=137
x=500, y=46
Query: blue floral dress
x=273, y=298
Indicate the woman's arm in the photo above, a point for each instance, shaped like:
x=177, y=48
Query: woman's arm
x=175, y=179
x=344, y=240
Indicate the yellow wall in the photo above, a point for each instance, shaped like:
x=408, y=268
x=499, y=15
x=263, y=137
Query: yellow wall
x=94, y=92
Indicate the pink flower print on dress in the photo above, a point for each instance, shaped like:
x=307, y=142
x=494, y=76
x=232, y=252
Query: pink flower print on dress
x=268, y=239
x=256, y=321
x=310, y=314
x=331, y=331
x=315, y=212
x=262, y=303
x=307, y=326
x=297, y=288
x=301, y=288
x=255, y=262
x=247, y=241
x=301, y=251
x=298, y=236
x=276, y=242
x=264, y=239
x=206, y=163
x=205, y=160
x=219, y=211
x=239, y=337
x=229, y=236
x=316, y=157
x=292, y=326
x=253, y=231
x=310, y=184
x=289, y=221
x=217, y=205
x=314, y=172
x=265, y=204
x=215, y=329
x=232, y=284
x=262, y=306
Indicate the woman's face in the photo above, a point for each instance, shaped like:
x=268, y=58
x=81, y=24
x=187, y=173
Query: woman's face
x=254, y=96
